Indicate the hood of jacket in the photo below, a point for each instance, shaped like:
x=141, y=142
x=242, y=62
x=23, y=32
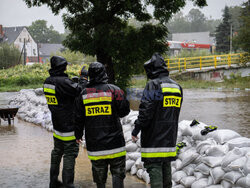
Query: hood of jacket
x=97, y=73
x=155, y=66
x=58, y=66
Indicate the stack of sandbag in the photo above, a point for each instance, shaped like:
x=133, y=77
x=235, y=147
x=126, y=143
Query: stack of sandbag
x=133, y=158
x=33, y=107
x=220, y=158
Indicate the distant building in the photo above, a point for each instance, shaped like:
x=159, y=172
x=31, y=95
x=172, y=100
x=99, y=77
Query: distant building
x=46, y=50
x=17, y=36
x=196, y=40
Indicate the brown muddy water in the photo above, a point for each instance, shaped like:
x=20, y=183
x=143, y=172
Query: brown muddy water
x=25, y=148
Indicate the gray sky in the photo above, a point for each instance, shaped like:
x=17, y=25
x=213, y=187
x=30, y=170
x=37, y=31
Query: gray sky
x=16, y=12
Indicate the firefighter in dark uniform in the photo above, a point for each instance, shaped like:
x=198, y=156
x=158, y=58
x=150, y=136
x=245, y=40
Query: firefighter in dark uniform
x=98, y=111
x=158, y=122
x=60, y=93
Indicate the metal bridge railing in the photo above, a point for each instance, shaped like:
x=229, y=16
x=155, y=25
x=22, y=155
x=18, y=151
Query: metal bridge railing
x=182, y=64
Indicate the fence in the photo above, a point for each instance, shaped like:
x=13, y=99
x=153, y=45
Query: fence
x=182, y=64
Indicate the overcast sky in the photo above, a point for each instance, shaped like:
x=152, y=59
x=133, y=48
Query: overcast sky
x=16, y=12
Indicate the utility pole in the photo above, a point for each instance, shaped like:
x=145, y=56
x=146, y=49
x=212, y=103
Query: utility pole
x=24, y=52
x=231, y=38
x=38, y=55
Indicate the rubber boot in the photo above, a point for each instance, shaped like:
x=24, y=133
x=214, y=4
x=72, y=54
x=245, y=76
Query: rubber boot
x=117, y=182
x=100, y=185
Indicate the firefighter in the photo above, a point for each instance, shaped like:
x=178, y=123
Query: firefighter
x=60, y=93
x=83, y=80
x=98, y=109
x=158, y=122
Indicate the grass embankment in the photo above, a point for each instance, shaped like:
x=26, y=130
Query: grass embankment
x=234, y=82
x=27, y=77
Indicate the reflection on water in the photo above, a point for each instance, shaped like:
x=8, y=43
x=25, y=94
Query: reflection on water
x=25, y=159
x=227, y=110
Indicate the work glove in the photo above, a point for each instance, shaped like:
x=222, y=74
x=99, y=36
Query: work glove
x=180, y=145
x=208, y=129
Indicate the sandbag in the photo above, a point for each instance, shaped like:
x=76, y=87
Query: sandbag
x=212, y=161
x=217, y=174
x=178, y=186
x=189, y=170
x=237, y=165
x=203, y=168
x=217, y=150
x=189, y=159
x=134, y=155
x=145, y=177
x=129, y=164
x=177, y=164
x=133, y=170
x=139, y=173
x=188, y=181
x=232, y=176
x=239, y=142
x=131, y=147
x=214, y=186
x=244, y=181
x=206, y=143
x=231, y=156
x=139, y=164
x=200, y=183
x=177, y=176
x=199, y=175
x=223, y=135
x=226, y=184
x=246, y=168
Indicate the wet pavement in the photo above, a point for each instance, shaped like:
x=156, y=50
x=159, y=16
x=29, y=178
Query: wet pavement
x=25, y=148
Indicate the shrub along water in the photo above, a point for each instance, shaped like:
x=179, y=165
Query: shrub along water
x=33, y=76
x=9, y=56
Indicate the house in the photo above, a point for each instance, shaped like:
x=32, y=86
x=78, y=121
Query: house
x=46, y=50
x=18, y=36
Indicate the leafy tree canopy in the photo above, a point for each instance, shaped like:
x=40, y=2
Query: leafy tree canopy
x=101, y=28
x=43, y=34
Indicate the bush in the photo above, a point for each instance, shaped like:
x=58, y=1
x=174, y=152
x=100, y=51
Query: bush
x=9, y=56
x=244, y=59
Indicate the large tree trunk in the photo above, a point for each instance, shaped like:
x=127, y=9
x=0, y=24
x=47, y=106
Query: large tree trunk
x=106, y=60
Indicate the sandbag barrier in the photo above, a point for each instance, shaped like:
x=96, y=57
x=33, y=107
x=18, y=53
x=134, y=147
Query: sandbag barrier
x=220, y=158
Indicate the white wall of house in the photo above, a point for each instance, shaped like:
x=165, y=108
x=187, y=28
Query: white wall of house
x=31, y=46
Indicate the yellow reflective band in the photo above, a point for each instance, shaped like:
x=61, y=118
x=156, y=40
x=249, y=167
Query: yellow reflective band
x=97, y=99
x=97, y=110
x=51, y=99
x=171, y=90
x=154, y=155
x=172, y=101
x=111, y=156
x=48, y=90
x=64, y=138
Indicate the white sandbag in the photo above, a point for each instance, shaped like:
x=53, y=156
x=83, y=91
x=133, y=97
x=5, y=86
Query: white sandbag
x=138, y=142
x=197, y=160
x=189, y=170
x=188, y=181
x=232, y=176
x=187, y=154
x=126, y=128
x=183, y=124
x=134, y=155
x=206, y=143
x=209, y=180
x=231, y=156
x=139, y=173
x=177, y=176
x=200, y=183
x=145, y=177
x=189, y=160
x=131, y=147
x=127, y=136
x=139, y=164
x=237, y=165
x=214, y=186
x=177, y=164
x=187, y=157
x=173, y=170
x=244, y=181
x=199, y=175
x=246, y=168
x=217, y=174
x=129, y=164
x=203, y=168
x=212, y=161
x=187, y=131
x=239, y=142
x=226, y=184
x=217, y=150
x=223, y=135
x=133, y=170
x=178, y=186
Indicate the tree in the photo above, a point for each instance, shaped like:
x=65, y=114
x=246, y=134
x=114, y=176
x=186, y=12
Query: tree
x=178, y=24
x=244, y=31
x=223, y=33
x=42, y=34
x=101, y=28
x=197, y=21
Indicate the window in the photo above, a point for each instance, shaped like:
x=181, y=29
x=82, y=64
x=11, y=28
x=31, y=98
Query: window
x=20, y=39
x=34, y=51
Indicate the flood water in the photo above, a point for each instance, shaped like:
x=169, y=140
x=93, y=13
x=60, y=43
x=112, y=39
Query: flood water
x=25, y=148
x=225, y=109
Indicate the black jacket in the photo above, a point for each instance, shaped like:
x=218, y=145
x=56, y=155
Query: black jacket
x=60, y=93
x=98, y=110
x=158, y=113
